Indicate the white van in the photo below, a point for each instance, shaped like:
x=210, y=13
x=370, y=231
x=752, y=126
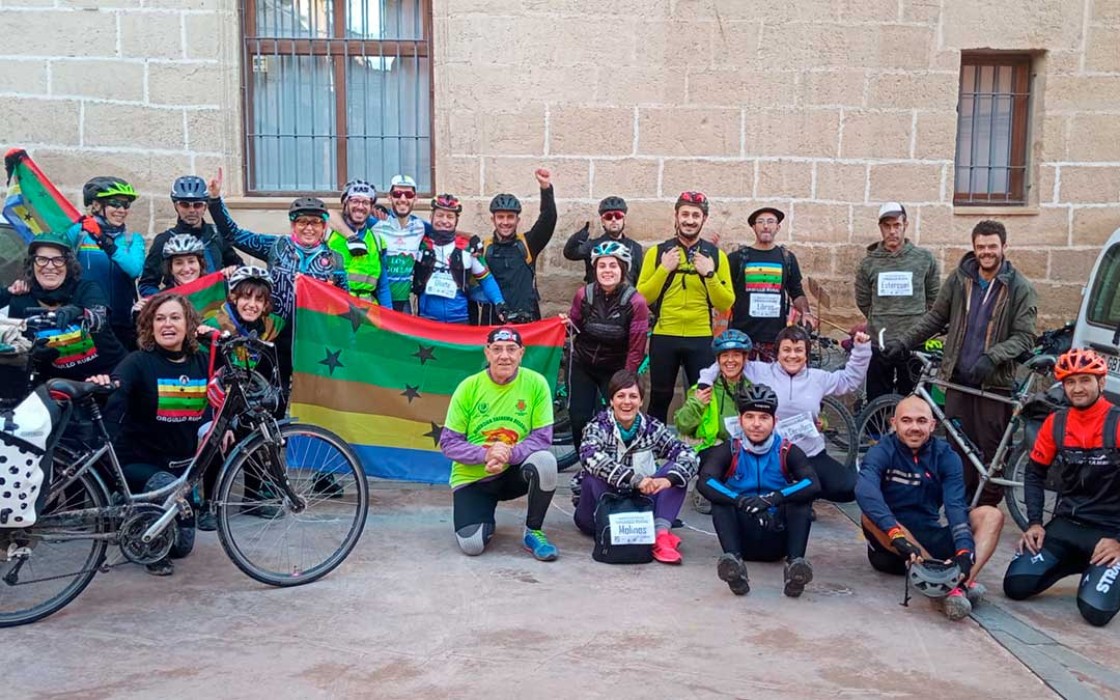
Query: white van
x=1098, y=324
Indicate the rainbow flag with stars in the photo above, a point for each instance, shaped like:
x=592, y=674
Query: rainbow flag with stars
x=33, y=204
x=383, y=380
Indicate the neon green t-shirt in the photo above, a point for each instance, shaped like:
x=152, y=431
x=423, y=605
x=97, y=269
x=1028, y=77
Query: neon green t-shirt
x=488, y=413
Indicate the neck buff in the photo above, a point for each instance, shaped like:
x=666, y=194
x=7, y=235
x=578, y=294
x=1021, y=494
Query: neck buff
x=761, y=448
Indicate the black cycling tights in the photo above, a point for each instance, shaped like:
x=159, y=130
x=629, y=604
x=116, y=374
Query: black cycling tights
x=1066, y=551
x=838, y=482
x=586, y=385
x=667, y=354
x=742, y=534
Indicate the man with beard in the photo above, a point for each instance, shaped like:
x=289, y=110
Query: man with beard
x=353, y=238
x=448, y=262
x=767, y=281
x=612, y=214
x=189, y=197
x=512, y=256
x=989, y=309
x=683, y=279
x=400, y=235
x=896, y=284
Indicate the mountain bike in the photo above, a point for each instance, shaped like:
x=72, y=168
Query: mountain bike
x=275, y=521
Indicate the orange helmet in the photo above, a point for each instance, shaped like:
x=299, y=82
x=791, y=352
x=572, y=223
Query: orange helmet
x=1079, y=361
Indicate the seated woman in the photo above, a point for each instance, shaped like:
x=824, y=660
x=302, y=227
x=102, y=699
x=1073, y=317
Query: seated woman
x=84, y=343
x=709, y=414
x=761, y=489
x=160, y=404
x=619, y=452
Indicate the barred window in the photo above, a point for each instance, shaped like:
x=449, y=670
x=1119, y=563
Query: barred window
x=335, y=90
x=992, y=129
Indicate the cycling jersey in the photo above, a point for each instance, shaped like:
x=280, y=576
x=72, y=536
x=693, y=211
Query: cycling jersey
x=443, y=275
x=363, y=272
x=401, y=246
x=482, y=412
x=513, y=260
x=730, y=471
x=684, y=307
x=115, y=275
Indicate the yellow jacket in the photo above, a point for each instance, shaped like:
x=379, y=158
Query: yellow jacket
x=686, y=307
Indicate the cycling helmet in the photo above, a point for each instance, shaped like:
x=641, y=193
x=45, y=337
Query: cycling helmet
x=611, y=249
x=106, y=187
x=731, y=340
x=307, y=205
x=250, y=272
x=183, y=244
x=1080, y=361
x=189, y=188
x=447, y=202
x=402, y=181
x=358, y=188
x=757, y=397
x=935, y=579
x=612, y=203
x=696, y=199
x=53, y=239
x=505, y=202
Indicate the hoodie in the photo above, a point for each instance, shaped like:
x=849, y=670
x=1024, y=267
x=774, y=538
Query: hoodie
x=893, y=290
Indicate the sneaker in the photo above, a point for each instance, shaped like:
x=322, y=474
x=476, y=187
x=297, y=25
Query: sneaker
x=956, y=605
x=702, y=505
x=675, y=540
x=327, y=485
x=163, y=567
x=538, y=544
x=975, y=593
x=798, y=574
x=665, y=550
x=733, y=571
x=207, y=521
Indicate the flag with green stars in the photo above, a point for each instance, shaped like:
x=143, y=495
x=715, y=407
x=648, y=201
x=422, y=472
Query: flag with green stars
x=383, y=380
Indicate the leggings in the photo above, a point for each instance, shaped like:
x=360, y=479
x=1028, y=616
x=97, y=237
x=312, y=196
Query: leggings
x=1066, y=551
x=740, y=533
x=667, y=354
x=666, y=505
x=585, y=386
x=838, y=483
x=475, y=503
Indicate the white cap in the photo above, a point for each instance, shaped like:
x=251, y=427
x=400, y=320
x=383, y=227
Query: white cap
x=891, y=209
x=402, y=181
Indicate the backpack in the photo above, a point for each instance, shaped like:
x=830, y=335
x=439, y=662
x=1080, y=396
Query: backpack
x=745, y=257
x=1108, y=440
x=783, y=453
x=627, y=294
x=624, y=529
x=520, y=242
x=705, y=248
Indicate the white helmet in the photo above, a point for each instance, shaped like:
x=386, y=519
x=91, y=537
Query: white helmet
x=250, y=272
x=402, y=181
x=609, y=249
x=183, y=244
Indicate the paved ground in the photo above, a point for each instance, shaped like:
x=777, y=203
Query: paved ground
x=409, y=617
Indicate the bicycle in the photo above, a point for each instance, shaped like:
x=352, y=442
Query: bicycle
x=876, y=422
x=270, y=513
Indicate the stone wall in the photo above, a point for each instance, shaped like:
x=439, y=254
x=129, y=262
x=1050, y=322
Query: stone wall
x=824, y=108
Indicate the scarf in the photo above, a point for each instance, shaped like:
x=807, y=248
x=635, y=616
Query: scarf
x=54, y=297
x=761, y=448
x=442, y=237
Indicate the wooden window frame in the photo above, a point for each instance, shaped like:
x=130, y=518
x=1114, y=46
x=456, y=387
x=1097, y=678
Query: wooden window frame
x=1021, y=99
x=340, y=46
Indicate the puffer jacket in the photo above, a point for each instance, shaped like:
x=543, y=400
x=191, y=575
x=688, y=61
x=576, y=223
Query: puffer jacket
x=913, y=267
x=708, y=424
x=1010, y=332
x=606, y=456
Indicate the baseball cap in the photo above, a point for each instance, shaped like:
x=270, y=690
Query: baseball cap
x=891, y=209
x=504, y=334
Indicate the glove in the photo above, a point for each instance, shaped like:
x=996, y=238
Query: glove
x=91, y=226
x=585, y=231
x=503, y=312
x=107, y=244
x=964, y=561
x=760, y=503
x=982, y=370
x=66, y=316
x=895, y=350
x=905, y=547
x=43, y=354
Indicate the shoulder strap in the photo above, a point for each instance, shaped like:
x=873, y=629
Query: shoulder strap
x=734, y=464
x=525, y=248
x=627, y=294
x=785, y=256
x=1111, y=422
x=1059, y=428
x=783, y=454
x=589, y=293
x=655, y=303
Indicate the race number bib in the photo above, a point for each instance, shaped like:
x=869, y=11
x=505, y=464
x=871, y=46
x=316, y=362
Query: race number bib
x=733, y=427
x=896, y=284
x=441, y=284
x=632, y=528
x=764, y=305
x=798, y=427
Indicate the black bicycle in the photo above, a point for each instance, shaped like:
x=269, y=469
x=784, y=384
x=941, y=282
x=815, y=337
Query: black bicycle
x=276, y=520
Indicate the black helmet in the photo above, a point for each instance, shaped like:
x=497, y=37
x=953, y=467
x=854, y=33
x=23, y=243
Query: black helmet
x=307, y=205
x=757, y=397
x=103, y=187
x=612, y=203
x=189, y=188
x=505, y=202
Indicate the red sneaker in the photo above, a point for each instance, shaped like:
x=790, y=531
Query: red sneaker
x=665, y=549
x=675, y=540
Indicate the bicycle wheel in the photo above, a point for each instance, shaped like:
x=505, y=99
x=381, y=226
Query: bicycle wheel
x=839, y=430
x=1015, y=497
x=258, y=528
x=53, y=563
x=875, y=422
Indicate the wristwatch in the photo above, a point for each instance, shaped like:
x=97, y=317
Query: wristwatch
x=711, y=274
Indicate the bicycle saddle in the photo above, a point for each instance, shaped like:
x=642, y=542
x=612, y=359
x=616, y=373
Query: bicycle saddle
x=76, y=391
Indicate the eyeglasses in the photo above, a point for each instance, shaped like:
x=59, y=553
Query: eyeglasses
x=402, y=194
x=613, y=216
x=51, y=261
x=766, y=222
x=118, y=203
x=308, y=222
x=695, y=197
x=191, y=205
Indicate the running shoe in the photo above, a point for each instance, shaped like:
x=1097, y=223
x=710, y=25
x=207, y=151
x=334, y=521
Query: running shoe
x=538, y=544
x=163, y=567
x=798, y=574
x=956, y=605
x=665, y=550
x=975, y=593
x=733, y=571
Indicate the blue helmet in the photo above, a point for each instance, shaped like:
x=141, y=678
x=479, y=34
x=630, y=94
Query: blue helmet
x=731, y=340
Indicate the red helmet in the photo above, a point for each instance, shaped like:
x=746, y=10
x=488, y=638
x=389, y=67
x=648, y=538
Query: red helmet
x=1080, y=361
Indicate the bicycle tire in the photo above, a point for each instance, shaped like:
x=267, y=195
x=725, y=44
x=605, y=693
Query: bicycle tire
x=1014, y=496
x=838, y=427
x=241, y=515
x=874, y=422
x=87, y=491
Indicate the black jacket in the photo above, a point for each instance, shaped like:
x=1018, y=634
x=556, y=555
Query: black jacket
x=513, y=262
x=580, y=245
x=219, y=254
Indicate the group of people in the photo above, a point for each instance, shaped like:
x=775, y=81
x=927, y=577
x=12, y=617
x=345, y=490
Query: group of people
x=748, y=431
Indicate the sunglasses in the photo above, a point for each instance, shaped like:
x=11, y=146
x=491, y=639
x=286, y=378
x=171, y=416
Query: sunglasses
x=192, y=205
x=118, y=203
x=402, y=194
x=51, y=261
x=697, y=197
x=613, y=216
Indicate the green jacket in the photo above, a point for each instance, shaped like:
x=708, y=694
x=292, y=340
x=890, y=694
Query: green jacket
x=706, y=424
x=362, y=271
x=894, y=290
x=1010, y=333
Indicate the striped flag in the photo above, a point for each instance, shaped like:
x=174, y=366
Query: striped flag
x=33, y=204
x=206, y=294
x=383, y=380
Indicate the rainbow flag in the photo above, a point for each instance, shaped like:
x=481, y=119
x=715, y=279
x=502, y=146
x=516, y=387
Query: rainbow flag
x=383, y=380
x=206, y=294
x=180, y=399
x=33, y=204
